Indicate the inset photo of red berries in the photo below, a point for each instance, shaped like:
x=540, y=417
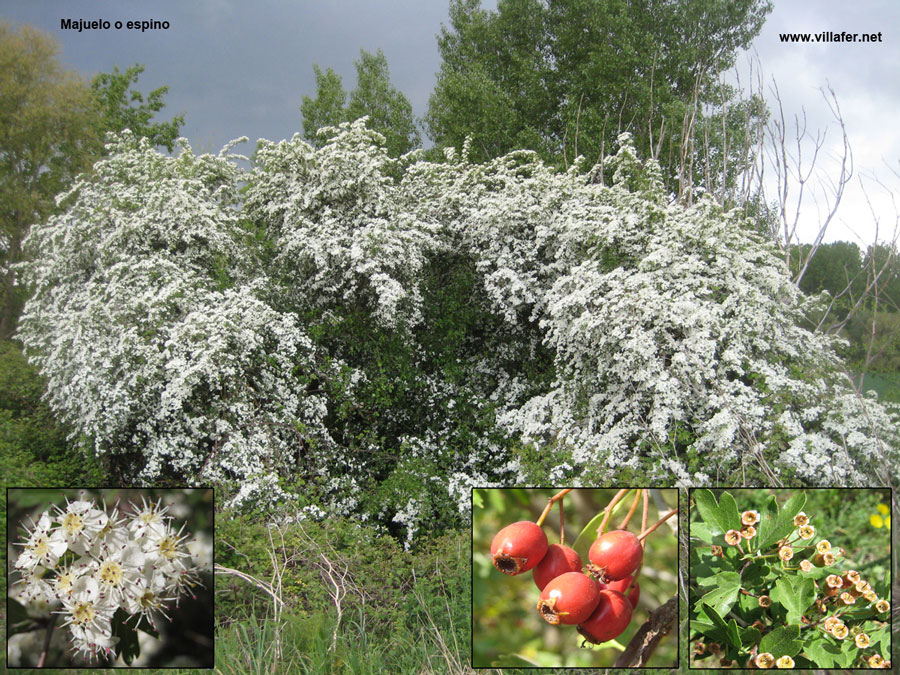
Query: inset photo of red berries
x=574, y=578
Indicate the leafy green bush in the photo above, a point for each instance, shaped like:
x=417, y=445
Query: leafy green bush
x=34, y=446
x=382, y=579
x=799, y=579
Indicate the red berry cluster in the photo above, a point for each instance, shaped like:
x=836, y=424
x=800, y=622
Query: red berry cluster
x=592, y=599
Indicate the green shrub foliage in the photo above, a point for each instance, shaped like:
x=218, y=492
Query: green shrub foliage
x=373, y=336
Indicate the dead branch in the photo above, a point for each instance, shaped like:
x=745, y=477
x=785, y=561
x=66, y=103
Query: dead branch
x=645, y=641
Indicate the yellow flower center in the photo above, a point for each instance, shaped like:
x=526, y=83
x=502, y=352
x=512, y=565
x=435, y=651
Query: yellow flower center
x=40, y=548
x=84, y=612
x=72, y=523
x=64, y=582
x=168, y=547
x=148, y=599
x=111, y=573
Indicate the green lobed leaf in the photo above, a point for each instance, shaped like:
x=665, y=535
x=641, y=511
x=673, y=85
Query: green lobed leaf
x=848, y=654
x=722, y=599
x=727, y=579
x=729, y=511
x=750, y=636
x=17, y=619
x=703, y=532
x=783, y=641
x=711, y=512
x=795, y=595
x=780, y=524
x=705, y=624
x=766, y=525
x=822, y=652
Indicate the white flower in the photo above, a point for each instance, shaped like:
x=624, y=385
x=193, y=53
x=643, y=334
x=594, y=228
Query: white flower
x=42, y=547
x=79, y=523
x=88, y=614
x=149, y=519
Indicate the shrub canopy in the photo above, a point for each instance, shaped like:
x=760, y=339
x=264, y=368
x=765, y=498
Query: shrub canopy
x=374, y=335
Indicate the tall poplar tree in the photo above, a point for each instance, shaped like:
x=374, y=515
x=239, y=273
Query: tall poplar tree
x=389, y=111
x=565, y=77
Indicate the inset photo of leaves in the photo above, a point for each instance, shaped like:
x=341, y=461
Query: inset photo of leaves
x=790, y=578
x=575, y=578
x=109, y=578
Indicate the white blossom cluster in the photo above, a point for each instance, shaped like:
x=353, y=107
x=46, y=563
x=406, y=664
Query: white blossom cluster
x=84, y=564
x=339, y=230
x=152, y=331
x=227, y=325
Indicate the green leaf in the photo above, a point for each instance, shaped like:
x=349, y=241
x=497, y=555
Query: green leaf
x=127, y=647
x=514, y=660
x=477, y=499
x=709, y=624
x=766, y=522
x=795, y=596
x=727, y=579
x=779, y=524
x=729, y=510
x=750, y=636
x=755, y=572
x=144, y=627
x=715, y=516
x=703, y=532
x=822, y=652
x=722, y=599
x=733, y=635
x=848, y=654
x=783, y=641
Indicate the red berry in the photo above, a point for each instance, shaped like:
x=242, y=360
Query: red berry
x=609, y=620
x=518, y=547
x=569, y=598
x=617, y=554
x=558, y=560
x=621, y=585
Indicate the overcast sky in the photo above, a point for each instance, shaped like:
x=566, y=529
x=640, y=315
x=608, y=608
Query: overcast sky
x=241, y=68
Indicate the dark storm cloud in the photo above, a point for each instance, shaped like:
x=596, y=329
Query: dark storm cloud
x=241, y=69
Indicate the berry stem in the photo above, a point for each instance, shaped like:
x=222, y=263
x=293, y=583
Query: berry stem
x=607, y=512
x=555, y=498
x=657, y=524
x=646, y=512
x=637, y=499
x=562, y=525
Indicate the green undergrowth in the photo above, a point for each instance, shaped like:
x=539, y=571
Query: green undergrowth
x=354, y=600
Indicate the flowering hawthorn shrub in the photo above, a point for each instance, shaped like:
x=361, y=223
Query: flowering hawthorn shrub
x=98, y=569
x=774, y=589
x=376, y=336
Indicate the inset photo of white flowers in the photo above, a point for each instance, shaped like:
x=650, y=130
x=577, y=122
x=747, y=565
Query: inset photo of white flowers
x=109, y=578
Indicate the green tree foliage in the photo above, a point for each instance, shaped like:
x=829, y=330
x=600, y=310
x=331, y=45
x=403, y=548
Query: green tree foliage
x=388, y=110
x=124, y=108
x=327, y=109
x=48, y=134
x=565, y=77
x=836, y=267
